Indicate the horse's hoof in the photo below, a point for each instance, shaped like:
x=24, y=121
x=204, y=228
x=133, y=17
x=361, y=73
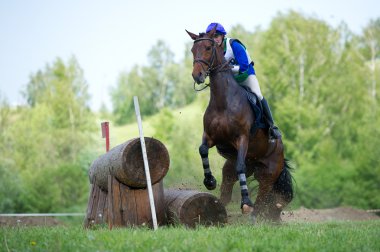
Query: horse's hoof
x=245, y=209
x=210, y=183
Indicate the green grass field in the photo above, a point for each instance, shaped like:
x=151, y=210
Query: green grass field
x=331, y=236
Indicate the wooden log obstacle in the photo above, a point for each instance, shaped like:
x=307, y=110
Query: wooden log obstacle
x=118, y=185
x=125, y=163
x=119, y=195
x=193, y=208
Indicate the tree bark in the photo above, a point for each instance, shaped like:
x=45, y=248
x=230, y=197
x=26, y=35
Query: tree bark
x=125, y=163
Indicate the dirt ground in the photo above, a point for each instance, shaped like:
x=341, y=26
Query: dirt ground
x=315, y=215
x=29, y=221
x=300, y=215
x=334, y=214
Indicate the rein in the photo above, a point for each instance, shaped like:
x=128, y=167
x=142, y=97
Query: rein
x=210, y=69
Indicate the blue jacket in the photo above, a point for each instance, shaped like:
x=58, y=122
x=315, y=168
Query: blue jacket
x=241, y=58
x=238, y=56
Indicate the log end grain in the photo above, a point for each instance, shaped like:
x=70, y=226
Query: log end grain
x=125, y=162
x=193, y=208
x=133, y=163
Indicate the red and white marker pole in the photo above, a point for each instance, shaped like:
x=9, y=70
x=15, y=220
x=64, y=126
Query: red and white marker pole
x=106, y=134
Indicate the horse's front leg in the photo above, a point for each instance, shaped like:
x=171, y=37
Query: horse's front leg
x=246, y=204
x=209, y=180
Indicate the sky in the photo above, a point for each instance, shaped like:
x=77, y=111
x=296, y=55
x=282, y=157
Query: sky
x=110, y=37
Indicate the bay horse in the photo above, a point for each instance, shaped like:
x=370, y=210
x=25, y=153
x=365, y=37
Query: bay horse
x=227, y=125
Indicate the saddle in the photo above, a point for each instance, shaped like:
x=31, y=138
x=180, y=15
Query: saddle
x=256, y=106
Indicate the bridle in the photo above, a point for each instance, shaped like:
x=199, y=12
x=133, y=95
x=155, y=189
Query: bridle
x=210, y=68
x=209, y=64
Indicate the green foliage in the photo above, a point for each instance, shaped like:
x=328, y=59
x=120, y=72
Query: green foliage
x=55, y=189
x=65, y=95
x=316, y=82
x=163, y=83
x=10, y=188
x=322, y=84
x=43, y=145
x=42, y=191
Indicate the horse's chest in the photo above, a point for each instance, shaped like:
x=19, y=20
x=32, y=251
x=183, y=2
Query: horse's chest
x=218, y=128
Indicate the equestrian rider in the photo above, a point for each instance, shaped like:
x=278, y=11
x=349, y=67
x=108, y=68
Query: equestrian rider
x=242, y=68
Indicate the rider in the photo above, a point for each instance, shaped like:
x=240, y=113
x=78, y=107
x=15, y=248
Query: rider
x=244, y=73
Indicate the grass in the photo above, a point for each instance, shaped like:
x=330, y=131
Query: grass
x=332, y=236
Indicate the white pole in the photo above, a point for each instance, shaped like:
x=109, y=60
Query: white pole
x=146, y=165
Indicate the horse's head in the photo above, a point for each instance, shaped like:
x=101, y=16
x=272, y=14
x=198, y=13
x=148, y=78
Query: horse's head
x=206, y=55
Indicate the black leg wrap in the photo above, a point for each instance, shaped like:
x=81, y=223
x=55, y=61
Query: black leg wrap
x=203, y=151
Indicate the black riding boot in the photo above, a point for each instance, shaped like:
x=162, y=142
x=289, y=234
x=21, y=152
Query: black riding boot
x=274, y=132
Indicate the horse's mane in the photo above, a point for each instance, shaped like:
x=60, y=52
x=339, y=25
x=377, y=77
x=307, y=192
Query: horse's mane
x=202, y=34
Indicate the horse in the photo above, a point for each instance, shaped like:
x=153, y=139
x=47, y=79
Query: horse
x=227, y=124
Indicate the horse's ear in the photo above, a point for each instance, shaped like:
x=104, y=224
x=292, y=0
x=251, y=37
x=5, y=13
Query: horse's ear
x=192, y=35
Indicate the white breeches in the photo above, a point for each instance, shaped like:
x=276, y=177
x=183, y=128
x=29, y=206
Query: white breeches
x=253, y=84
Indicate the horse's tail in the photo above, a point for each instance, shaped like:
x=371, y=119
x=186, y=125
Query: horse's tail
x=284, y=184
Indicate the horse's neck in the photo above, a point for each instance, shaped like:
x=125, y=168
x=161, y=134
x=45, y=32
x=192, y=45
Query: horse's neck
x=221, y=89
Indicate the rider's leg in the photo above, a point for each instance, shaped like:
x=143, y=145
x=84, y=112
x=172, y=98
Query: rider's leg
x=253, y=84
x=274, y=132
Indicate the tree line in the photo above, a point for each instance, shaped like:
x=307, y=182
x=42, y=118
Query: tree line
x=321, y=82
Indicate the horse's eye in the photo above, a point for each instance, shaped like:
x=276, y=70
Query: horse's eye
x=208, y=48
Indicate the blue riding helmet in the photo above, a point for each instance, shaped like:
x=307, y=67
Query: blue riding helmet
x=219, y=28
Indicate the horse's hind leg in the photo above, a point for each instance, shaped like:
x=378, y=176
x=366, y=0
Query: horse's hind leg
x=209, y=180
x=283, y=188
x=228, y=181
x=262, y=200
x=265, y=191
x=280, y=195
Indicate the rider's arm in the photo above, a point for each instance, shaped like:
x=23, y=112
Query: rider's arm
x=240, y=56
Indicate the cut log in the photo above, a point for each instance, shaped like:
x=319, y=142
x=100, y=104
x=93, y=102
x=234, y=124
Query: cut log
x=193, y=208
x=125, y=163
x=97, y=207
x=131, y=207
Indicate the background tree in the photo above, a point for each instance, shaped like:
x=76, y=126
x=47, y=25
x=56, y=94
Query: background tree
x=65, y=91
x=163, y=83
x=48, y=141
x=370, y=49
x=321, y=82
